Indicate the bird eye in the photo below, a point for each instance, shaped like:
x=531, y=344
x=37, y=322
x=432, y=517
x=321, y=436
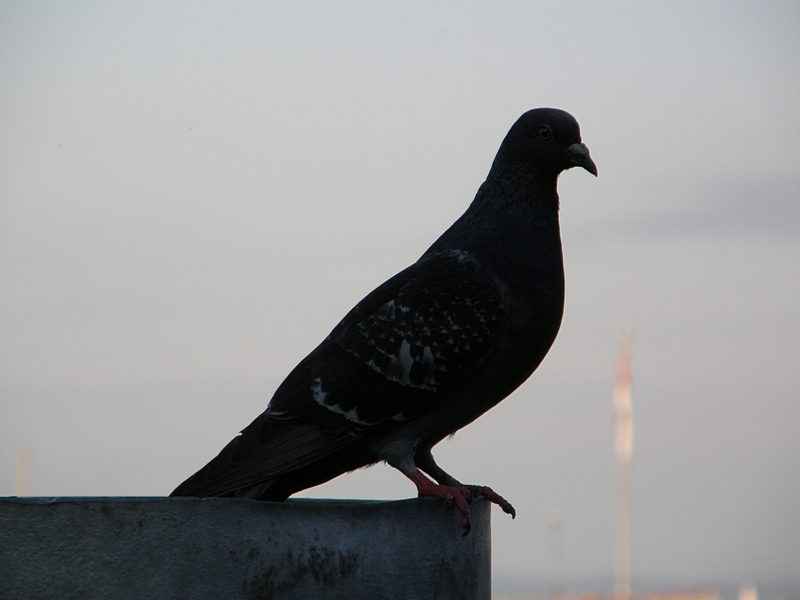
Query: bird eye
x=545, y=133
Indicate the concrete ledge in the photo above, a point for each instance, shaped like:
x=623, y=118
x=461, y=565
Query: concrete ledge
x=154, y=548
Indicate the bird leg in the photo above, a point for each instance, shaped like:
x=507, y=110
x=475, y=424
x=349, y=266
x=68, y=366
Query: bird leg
x=450, y=489
x=451, y=494
x=424, y=460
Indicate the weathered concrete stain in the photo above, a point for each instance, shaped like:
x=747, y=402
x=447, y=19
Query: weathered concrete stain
x=323, y=565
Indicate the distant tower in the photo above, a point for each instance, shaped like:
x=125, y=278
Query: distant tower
x=623, y=447
x=558, y=576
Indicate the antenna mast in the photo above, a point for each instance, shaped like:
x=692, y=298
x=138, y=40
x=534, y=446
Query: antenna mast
x=623, y=446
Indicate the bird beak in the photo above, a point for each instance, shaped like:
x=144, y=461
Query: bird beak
x=579, y=155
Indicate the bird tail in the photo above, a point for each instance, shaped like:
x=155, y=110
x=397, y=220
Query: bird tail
x=265, y=460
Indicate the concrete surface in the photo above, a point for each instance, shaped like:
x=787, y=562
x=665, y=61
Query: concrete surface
x=154, y=548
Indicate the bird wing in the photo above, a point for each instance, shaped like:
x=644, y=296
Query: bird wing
x=398, y=353
x=402, y=349
x=410, y=343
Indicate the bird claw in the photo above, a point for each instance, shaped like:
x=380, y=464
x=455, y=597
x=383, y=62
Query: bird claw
x=467, y=525
x=459, y=496
x=494, y=498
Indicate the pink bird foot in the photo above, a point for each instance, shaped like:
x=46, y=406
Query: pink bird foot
x=460, y=495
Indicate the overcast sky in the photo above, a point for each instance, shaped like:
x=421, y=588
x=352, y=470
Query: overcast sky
x=193, y=194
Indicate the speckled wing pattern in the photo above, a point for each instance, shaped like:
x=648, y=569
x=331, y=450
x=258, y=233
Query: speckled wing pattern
x=406, y=346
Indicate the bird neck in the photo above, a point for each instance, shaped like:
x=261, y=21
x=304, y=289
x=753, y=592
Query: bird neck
x=512, y=226
x=513, y=194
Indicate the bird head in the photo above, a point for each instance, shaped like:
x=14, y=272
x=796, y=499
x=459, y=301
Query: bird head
x=545, y=140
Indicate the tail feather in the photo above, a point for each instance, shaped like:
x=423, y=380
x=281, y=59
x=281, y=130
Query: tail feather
x=244, y=463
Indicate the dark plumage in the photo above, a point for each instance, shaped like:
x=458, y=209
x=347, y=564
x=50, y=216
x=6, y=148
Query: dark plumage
x=431, y=349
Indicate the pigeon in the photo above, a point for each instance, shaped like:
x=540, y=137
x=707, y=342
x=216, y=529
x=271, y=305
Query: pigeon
x=428, y=351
